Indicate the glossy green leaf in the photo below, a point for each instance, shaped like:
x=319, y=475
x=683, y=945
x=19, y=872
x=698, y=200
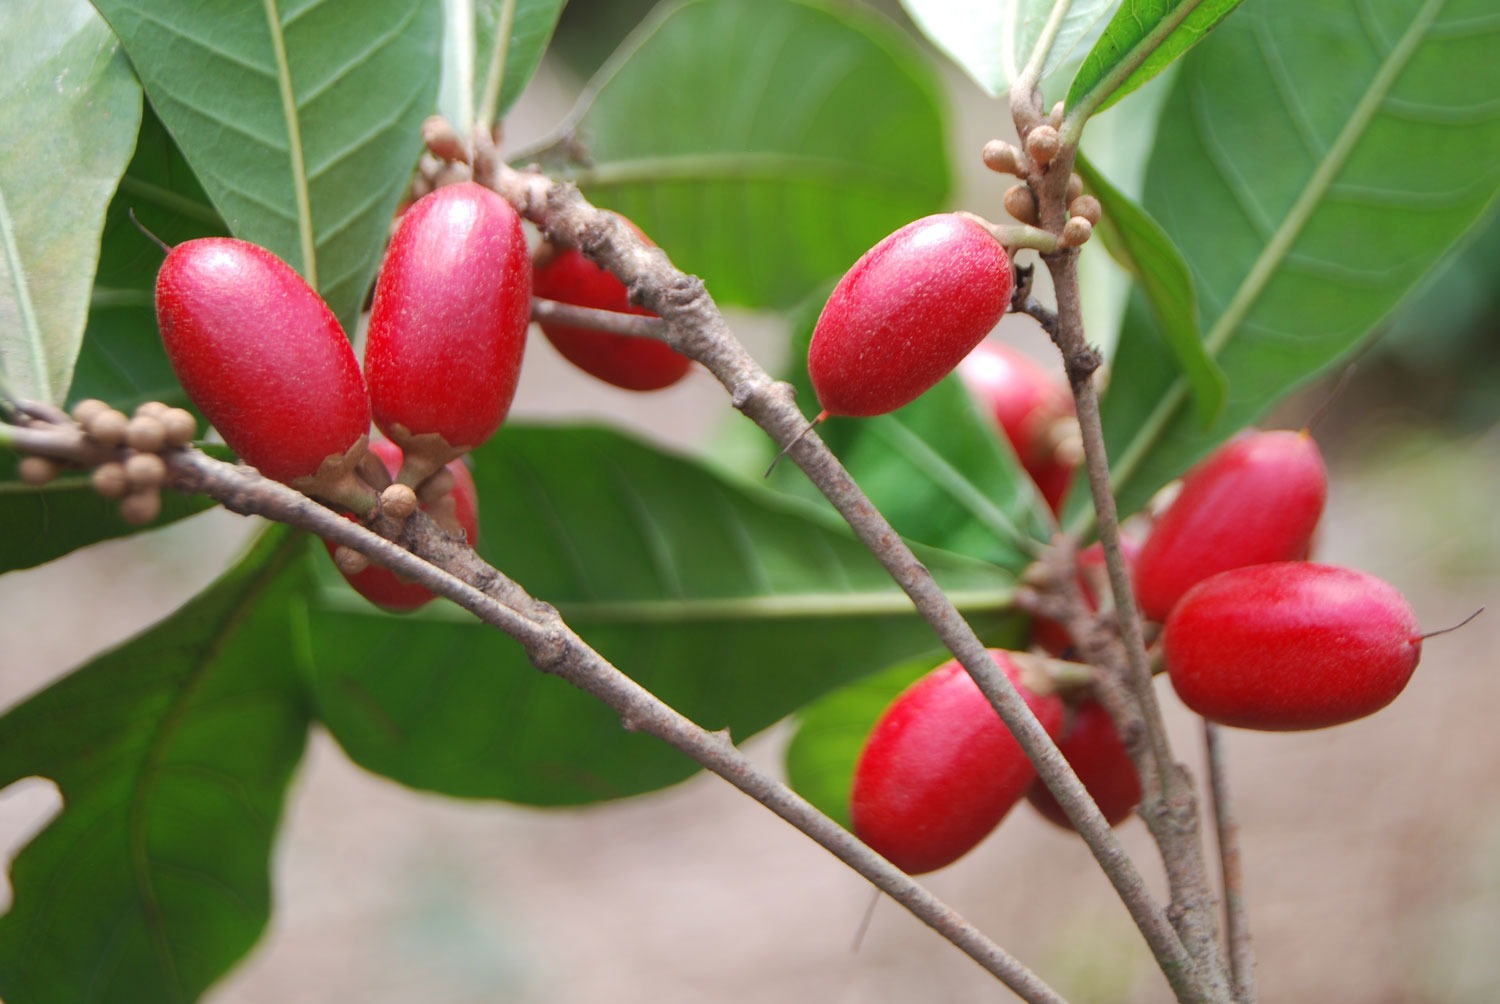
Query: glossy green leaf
x=60, y=517
x=1139, y=243
x=123, y=361
x=734, y=604
x=67, y=126
x=993, y=40
x=1315, y=161
x=1141, y=40
x=480, y=75
x=302, y=120
x=774, y=157
x=173, y=754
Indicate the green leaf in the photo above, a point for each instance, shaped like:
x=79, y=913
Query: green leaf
x=67, y=126
x=123, y=361
x=774, y=157
x=1139, y=243
x=1314, y=162
x=60, y=517
x=173, y=753
x=993, y=40
x=1141, y=40
x=489, y=78
x=734, y=604
x=302, y=120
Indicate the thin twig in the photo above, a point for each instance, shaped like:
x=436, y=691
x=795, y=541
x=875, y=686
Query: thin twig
x=697, y=329
x=613, y=321
x=452, y=569
x=1236, y=917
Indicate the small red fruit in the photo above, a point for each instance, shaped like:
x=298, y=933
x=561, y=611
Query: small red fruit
x=448, y=325
x=1290, y=645
x=940, y=769
x=1093, y=748
x=384, y=587
x=1255, y=499
x=260, y=353
x=908, y=311
x=1033, y=409
x=627, y=361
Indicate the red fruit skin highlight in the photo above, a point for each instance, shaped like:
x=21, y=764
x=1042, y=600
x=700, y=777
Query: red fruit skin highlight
x=1290, y=645
x=261, y=355
x=379, y=584
x=940, y=769
x=627, y=361
x=906, y=313
x=1092, y=747
x=448, y=321
x=1256, y=499
x=1027, y=403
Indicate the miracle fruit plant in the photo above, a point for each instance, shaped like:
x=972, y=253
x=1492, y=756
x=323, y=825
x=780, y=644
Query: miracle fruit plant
x=272, y=162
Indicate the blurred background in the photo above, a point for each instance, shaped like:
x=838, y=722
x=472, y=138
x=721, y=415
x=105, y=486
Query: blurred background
x=1371, y=851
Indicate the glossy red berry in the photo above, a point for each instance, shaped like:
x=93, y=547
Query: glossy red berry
x=1255, y=499
x=627, y=361
x=260, y=353
x=1092, y=747
x=906, y=313
x=448, y=324
x=1290, y=645
x=940, y=769
x=1033, y=408
x=384, y=587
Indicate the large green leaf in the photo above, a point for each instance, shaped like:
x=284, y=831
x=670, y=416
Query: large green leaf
x=67, y=126
x=173, y=754
x=1141, y=40
x=1316, y=159
x=123, y=361
x=301, y=119
x=735, y=604
x=66, y=514
x=993, y=40
x=773, y=157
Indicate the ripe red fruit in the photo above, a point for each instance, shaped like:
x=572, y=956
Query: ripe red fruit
x=1093, y=748
x=1255, y=499
x=260, y=353
x=627, y=361
x=940, y=769
x=1034, y=409
x=906, y=313
x=448, y=325
x=1290, y=645
x=384, y=587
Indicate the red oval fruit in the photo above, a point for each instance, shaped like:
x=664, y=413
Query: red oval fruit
x=940, y=769
x=384, y=587
x=1033, y=409
x=1290, y=645
x=906, y=313
x=1093, y=748
x=1255, y=499
x=260, y=353
x=448, y=324
x=627, y=361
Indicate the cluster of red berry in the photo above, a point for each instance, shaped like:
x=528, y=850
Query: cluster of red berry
x=260, y=353
x=1251, y=633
